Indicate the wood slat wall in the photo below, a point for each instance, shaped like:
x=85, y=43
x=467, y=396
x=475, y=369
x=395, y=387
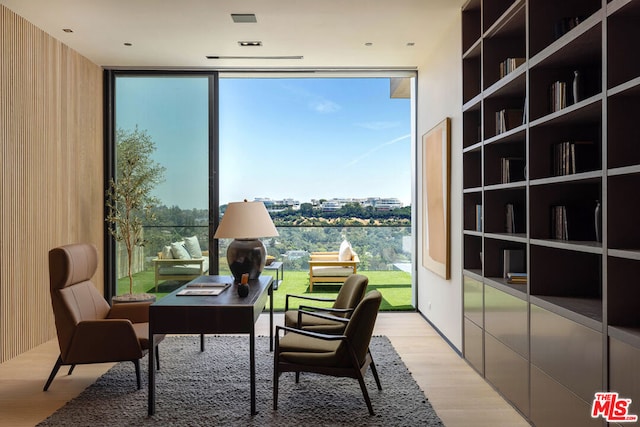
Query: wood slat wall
x=51, y=181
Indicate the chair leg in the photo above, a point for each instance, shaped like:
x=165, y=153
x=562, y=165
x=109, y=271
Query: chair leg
x=138, y=379
x=297, y=377
x=54, y=371
x=71, y=368
x=363, y=387
x=375, y=371
x=276, y=377
x=157, y=359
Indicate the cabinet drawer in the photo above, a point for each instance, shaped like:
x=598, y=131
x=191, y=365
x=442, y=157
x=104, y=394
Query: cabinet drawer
x=506, y=319
x=508, y=372
x=473, y=300
x=473, y=346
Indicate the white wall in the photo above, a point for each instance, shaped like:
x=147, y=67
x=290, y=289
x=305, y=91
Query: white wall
x=440, y=96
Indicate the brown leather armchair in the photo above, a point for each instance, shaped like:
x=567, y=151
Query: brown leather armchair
x=344, y=355
x=89, y=330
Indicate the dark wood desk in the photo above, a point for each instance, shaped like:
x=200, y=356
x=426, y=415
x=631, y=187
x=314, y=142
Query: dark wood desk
x=226, y=313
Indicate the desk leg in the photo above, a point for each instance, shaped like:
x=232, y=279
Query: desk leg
x=271, y=318
x=252, y=368
x=152, y=377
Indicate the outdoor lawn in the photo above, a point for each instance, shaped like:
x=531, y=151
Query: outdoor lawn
x=395, y=287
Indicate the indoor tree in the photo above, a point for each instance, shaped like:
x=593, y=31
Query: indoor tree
x=129, y=200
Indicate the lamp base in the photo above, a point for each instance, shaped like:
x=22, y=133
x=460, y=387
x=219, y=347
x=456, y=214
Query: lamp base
x=246, y=256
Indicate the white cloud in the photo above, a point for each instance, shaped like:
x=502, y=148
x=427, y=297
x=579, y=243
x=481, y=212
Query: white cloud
x=324, y=106
x=377, y=148
x=379, y=125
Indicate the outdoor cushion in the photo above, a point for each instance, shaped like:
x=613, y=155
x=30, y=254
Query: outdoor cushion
x=179, y=251
x=193, y=247
x=332, y=271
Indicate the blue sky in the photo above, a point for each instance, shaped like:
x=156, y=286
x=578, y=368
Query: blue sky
x=280, y=138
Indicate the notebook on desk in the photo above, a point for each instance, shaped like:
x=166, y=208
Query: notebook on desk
x=205, y=289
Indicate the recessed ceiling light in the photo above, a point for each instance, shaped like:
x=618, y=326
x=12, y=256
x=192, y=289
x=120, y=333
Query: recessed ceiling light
x=411, y=44
x=250, y=43
x=67, y=30
x=368, y=44
x=128, y=44
x=244, y=18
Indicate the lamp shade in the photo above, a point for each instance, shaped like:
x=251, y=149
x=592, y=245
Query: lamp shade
x=245, y=222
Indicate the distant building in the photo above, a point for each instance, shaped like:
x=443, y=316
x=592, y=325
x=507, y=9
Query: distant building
x=387, y=204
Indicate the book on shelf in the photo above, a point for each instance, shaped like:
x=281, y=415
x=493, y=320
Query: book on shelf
x=566, y=24
x=557, y=96
x=512, y=169
x=478, y=217
x=513, y=261
x=571, y=157
x=508, y=119
x=514, y=218
x=510, y=64
x=517, y=278
x=577, y=221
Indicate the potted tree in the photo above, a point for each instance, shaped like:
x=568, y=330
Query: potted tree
x=129, y=200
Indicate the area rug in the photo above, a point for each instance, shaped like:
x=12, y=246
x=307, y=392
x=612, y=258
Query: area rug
x=212, y=389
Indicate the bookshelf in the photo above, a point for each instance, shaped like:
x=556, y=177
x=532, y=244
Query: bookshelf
x=551, y=97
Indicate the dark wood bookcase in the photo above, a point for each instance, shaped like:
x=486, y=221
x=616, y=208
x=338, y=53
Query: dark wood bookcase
x=551, y=169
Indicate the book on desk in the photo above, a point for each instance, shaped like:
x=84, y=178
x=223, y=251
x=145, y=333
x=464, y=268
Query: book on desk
x=200, y=289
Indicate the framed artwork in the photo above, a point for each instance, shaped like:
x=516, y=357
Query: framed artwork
x=436, y=149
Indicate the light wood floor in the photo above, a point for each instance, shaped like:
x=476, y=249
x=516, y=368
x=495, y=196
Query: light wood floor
x=458, y=394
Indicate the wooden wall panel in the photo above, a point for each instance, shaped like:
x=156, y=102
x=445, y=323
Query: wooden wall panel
x=51, y=181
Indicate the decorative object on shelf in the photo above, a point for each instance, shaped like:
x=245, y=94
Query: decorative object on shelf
x=577, y=87
x=245, y=222
x=436, y=146
x=243, y=286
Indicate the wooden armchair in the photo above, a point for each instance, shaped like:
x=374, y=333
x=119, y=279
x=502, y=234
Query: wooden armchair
x=327, y=267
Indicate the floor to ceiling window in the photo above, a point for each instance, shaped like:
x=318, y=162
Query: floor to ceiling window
x=330, y=156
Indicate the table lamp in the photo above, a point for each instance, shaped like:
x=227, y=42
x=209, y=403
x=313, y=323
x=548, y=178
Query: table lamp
x=245, y=222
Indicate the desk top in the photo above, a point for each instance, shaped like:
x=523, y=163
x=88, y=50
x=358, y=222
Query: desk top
x=229, y=297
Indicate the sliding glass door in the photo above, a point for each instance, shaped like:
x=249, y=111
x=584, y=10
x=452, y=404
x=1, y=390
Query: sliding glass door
x=176, y=113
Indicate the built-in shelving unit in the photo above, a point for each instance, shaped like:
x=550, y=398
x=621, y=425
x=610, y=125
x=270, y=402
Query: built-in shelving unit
x=551, y=168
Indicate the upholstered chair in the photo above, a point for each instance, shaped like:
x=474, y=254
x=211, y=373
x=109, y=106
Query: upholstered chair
x=345, y=355
x=350, y=294
x=89, y=330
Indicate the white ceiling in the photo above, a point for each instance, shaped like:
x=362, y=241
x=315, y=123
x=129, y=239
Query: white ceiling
x=181, y=33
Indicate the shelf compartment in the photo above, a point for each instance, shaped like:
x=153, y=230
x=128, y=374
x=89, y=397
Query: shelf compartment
x=496, y=214
x=550, y=24
x=623, y=131
x=583, y=55
x=471, y=127
x=507, y=40
x=623, y=292
x=513, y=104
x=506, y=150
x=473, y=212
x=623, y=62
x=472, y=163
x=622, y=217
x=473, y=253
x=471, y=24
x=471, y=73
x=544, y=147
x=494, y=251
x=580, y=199
x=567, y=279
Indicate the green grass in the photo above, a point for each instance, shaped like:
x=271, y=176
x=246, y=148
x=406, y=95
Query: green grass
x=395, y=287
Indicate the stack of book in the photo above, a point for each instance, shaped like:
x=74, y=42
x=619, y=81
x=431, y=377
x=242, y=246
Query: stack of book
x=517, y=278
x=571, y=157
x=514, y=265
x=512, y=169
x=478, y=217
x=559, y=223
x=510, y=64
x=508, y=119
x=558, y=96
x=510, y=219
